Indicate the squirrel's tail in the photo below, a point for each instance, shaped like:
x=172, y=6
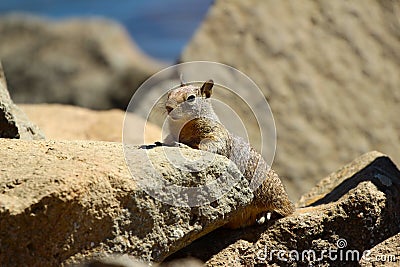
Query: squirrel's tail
x=285, y=207
x=272, y=194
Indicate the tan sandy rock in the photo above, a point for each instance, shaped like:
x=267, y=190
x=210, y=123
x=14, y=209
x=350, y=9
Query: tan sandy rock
x=13, y=122
x=385, y=253
x=65, y=201
x=64, y=122
x=354, y=209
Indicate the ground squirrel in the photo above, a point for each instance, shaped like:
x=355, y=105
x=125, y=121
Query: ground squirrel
x=193, y=122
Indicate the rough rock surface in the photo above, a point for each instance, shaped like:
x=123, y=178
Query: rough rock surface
x=355, y=208
x=13, y=122
x=64, y=122
x=329, y=70
x=385, y=253
x=91, y=63
x=64, y=201
x=129, y=261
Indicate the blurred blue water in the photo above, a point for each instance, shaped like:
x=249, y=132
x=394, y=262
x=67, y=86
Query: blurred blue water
x=161, y=28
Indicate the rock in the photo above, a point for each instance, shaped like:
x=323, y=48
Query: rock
x=329, y=70
x=187, y=262
x=385, y=253
x=352, y=210
x=86, y=124
x=385, y=174
x=86, y=62
x=13, y=122
x=129, y=261
x=62, y=202
x=113, y=261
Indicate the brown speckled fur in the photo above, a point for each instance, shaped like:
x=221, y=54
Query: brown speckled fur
x=203, y=131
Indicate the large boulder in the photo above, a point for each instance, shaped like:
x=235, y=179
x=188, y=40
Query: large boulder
x=86, y=62
x=64, y=122
x=67, y=201
x=13, y=122
x=329, y=70
x=347, y=215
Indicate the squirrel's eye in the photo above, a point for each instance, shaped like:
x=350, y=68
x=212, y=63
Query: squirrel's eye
x=191, y=98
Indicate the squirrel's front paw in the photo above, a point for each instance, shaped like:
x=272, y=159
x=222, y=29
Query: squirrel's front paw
x=158, y=143
x=147, y=146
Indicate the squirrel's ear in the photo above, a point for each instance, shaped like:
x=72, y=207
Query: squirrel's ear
x=206, y=89
x=182, y=81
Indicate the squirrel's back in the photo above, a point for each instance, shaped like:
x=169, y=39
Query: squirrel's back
x=193, y=122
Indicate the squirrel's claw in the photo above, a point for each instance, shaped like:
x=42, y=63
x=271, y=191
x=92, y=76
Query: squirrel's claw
x=158, y=143
x=148, y=146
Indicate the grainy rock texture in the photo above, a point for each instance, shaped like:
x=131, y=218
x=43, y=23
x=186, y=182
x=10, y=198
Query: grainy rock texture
x=64, y=122
x=91, y=63
x=355, y=208
x=64, y=201
x=329, y=70
x=123, y=260
x=129, y=261
x=385, y=253
x=13, y=122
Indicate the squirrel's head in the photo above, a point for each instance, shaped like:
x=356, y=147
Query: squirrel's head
x=189, y=101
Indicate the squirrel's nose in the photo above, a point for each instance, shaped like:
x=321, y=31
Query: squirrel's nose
x=169, y=109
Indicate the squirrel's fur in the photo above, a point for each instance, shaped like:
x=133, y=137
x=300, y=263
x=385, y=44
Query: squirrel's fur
x=193, y=122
